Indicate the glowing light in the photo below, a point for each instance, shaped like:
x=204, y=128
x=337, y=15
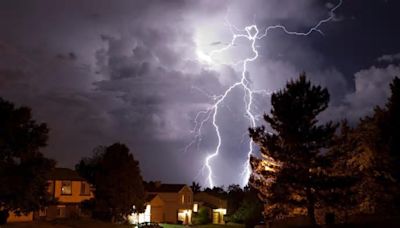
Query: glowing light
x=252, y=34
x=220, y=210
x=137, y=218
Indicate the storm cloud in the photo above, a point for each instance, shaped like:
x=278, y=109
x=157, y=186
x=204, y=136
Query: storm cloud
x=104, y=71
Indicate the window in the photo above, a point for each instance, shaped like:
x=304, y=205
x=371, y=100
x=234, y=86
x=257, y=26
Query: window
x=188, y=199
x=43, y=212
x=195, y=207
x=183, y=199
x=61, y=211
x=85, y=190
x=66, y=188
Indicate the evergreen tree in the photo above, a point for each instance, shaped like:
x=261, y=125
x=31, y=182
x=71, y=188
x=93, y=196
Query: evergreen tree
x=293, y=172
x=373, y=149
x=392, y=128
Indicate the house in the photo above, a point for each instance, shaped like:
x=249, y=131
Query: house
x=166, y=203
x=154, y=211
x=69, y=189
x=13, y=217
x=215, y=205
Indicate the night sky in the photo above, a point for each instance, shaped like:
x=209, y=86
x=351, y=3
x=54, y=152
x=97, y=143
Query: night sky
x=100, y=71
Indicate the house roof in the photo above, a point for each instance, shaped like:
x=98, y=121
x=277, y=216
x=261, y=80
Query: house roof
x=210, y=200
x=150, y=197
x=165, y=188
x=64, y=174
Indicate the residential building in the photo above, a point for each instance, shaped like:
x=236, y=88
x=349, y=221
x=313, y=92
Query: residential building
x=166, y=203
x=70, y=190
x=215, y=205
x=13, y=217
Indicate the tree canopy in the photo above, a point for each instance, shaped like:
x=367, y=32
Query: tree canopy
x=23, y=168
x=372, y=155
x=118, y=183
x=292, y=173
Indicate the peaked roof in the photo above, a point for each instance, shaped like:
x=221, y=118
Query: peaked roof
x=150, y=197
x=64, y=174
x=165, y=188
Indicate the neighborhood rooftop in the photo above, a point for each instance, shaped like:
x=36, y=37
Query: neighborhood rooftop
x=64, y=174
x=164, y=187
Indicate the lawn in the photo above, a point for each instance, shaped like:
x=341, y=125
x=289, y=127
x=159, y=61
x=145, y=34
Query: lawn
x=230, y=225
x=68, y=223
x=89, y=223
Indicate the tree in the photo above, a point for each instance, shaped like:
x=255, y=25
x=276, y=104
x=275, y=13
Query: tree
x=195, y=187
x=293, y=170
x=202, y=217
x=391, y=129
x=235, y=198
x=217, y=191
x=23, y=168
x=115, y=174
x=250, y=209
x=392, y=133
x=373, y=155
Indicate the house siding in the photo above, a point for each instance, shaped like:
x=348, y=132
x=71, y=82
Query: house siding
x=19, y=218
x=172, y=205
x=75, y=197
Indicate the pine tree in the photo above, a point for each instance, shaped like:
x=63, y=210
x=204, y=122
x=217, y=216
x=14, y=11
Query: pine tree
x=293, y=172
x=374, y=156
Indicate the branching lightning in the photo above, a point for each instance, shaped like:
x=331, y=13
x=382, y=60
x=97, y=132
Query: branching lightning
x=252, y=34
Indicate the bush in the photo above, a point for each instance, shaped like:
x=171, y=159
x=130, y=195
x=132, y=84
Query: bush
x=202, y=217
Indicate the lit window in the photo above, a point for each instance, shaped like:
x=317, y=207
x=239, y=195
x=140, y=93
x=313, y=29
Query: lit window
x=195, y=207
x=66, y=188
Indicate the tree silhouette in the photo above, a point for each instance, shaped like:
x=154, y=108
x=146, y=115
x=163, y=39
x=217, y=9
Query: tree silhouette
x=195, y=187
x=372, y=148
x=292, y=173
x=23, y=168
x=250, y=208
x=391, y=131
x=118, y=183
x=235, y=198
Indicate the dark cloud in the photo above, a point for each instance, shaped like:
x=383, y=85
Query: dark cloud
x=104, y=71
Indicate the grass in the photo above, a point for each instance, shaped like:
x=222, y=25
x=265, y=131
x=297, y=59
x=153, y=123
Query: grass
x=90, y=223
x=230, y=225
x=65, y=223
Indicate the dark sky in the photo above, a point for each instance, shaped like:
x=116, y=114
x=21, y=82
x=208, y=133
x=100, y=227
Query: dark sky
x=100, y=71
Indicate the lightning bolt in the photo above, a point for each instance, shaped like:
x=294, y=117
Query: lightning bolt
x=252, y=34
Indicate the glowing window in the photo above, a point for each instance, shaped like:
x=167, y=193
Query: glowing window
x=66, y=188
x=195, y=207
